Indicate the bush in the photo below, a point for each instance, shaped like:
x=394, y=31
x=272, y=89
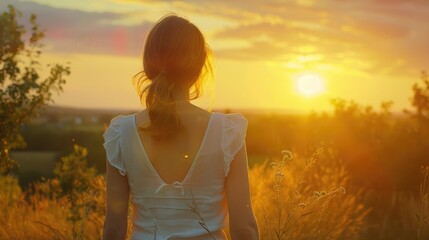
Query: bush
x=70, y=204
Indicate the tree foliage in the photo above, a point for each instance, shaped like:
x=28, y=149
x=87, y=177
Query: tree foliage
x=420, y=98
x=23, y=92
x=81, y=185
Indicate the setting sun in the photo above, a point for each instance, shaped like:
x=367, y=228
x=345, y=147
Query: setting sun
x=310, y=85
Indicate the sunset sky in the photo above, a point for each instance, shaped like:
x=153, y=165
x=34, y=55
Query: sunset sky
x=364, y=50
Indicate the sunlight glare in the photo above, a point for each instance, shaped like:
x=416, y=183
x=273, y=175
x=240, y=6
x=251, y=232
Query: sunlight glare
x=310, y=85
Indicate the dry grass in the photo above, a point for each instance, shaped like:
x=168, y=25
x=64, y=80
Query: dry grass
x=305, y=200
x=35, y=215
x=307, y=197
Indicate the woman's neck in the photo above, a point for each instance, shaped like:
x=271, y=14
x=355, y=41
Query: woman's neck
x=181, y=95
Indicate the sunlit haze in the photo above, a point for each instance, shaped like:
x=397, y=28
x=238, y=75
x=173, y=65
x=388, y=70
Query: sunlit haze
x=369, y=51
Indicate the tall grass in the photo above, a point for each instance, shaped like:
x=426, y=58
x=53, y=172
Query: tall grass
x=30, y=216
x=423, y=210
x=293, y=198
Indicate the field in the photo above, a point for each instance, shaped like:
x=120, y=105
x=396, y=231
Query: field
x=355, y=174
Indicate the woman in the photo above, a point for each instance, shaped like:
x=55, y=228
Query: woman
x=184, y=168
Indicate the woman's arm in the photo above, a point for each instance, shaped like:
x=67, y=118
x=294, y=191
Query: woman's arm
x=242, y=222
x=115, y=224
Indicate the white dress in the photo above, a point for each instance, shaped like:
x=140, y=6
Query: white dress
x=182, y=209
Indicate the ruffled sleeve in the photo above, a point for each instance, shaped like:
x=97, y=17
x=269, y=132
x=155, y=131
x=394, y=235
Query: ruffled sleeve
x=112, y=142
x=234, y=127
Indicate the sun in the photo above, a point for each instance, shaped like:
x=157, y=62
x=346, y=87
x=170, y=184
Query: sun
x=310, y=85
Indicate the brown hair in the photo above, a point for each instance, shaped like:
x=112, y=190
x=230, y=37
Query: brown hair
x=175, y=56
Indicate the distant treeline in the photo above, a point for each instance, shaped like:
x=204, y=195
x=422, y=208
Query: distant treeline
x=381, y=151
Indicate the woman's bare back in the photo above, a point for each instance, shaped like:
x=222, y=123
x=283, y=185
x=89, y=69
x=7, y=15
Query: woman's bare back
x=172, y=159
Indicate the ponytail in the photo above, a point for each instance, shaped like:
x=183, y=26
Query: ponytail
x=164, y=121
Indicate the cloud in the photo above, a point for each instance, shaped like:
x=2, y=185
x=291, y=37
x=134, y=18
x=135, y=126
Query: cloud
x=366, y=34
x=75, y=31
x=373, y=32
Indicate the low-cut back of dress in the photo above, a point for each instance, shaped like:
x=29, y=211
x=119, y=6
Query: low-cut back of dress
x=192, y=208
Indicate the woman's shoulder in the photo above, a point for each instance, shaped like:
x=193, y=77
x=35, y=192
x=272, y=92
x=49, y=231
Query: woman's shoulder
x=234, y=127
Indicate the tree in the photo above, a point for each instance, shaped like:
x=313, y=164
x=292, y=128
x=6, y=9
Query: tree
x=22, y=92
x=420, y=99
